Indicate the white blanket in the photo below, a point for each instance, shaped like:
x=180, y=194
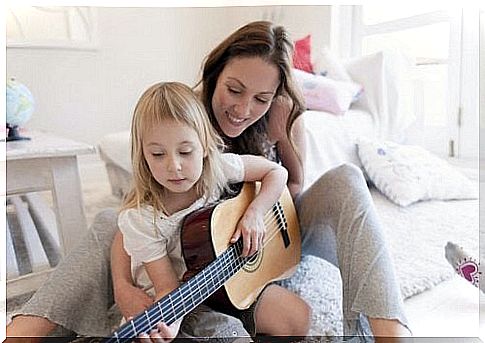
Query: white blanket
x=331, y=140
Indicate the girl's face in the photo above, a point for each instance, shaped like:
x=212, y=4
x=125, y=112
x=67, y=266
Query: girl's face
x=174, y=155
x=243, y=93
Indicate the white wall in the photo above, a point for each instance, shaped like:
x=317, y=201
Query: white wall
x=87, y=94
x=482, y=87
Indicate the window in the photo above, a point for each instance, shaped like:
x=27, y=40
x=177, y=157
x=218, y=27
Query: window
x=51, y=27
x=444, y=44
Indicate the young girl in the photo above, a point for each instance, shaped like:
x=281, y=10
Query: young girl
x=177, y=168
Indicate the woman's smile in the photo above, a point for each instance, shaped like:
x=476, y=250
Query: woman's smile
x=243, y=94
x=234, y=120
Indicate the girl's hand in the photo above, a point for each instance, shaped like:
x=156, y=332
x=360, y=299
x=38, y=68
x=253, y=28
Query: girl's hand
x=162, y=333
x=131, y=300
x=252, y=228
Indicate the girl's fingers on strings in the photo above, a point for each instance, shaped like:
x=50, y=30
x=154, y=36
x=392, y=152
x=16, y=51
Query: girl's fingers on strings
x=255, y=242
x=156, y=337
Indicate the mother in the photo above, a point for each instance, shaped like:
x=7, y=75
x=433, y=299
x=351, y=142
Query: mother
x=249, y=93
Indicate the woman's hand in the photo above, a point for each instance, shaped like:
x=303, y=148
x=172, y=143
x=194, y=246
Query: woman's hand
x=162, y=333
x=131, y=300
x=252, y=228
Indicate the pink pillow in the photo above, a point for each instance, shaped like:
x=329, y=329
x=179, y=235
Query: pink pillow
x=324, y=94
x=302, y=56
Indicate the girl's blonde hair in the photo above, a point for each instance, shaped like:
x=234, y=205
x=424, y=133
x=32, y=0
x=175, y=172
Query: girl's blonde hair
x=172, y=101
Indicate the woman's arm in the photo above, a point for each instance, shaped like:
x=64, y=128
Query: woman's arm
x=273, y=179
x=130, y=299
x=278, y=117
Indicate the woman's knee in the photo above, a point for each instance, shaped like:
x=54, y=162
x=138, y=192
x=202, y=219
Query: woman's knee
x=346, y=174
x=338, y=180
x=336, y=187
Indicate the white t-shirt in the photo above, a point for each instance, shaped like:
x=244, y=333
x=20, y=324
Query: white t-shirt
x=147, y=238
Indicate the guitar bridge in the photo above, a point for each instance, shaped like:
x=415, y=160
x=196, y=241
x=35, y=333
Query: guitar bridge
x=282, y=224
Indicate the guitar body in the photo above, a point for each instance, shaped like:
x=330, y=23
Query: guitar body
x=206, y=234
x=216, y=272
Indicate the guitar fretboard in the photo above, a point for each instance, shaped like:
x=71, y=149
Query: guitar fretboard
x=185, y=298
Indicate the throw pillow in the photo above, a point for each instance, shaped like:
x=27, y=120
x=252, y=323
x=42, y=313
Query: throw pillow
x=324, y=94
x=407, y=173
x=302, y=58
x=327, y=64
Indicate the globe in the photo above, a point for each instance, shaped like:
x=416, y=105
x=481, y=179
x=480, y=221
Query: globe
x=20, y=106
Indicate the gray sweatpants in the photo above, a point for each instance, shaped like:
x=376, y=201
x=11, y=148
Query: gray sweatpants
x=338, y=222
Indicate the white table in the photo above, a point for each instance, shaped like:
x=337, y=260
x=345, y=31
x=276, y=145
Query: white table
x=47, y=162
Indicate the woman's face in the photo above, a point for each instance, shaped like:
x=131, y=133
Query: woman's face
x=243, y=93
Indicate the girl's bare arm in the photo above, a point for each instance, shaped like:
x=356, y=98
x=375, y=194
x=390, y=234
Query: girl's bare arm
x=273, y=179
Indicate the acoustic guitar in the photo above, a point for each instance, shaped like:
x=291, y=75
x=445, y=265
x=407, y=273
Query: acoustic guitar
x=216, y=271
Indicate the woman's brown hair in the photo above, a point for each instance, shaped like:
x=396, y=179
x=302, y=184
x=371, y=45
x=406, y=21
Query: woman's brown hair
x=273, y=45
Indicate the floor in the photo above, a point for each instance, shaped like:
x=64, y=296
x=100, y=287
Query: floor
x=452, y=309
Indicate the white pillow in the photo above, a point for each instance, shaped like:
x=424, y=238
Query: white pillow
x=327, y=64
x=387, y=79
x=407, y=173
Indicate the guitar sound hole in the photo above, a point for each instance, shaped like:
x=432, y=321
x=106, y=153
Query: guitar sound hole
x=254, y=262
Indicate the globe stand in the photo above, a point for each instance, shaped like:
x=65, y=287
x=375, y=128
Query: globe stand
x=13, y=134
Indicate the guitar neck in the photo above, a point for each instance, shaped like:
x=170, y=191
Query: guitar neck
x=185, y=298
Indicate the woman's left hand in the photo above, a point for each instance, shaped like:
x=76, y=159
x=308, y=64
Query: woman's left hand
x=251, y=227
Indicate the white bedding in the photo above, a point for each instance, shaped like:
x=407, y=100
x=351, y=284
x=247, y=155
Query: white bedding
x=116, y=147
x=331, y=140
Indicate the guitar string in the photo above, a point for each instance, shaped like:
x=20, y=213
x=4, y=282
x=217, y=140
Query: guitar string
x=122, y=334
x=158, y=315
x=194, y=298
x=199, y=299
x=218, y=280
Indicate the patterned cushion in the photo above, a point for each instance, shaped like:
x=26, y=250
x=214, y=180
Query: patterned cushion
x=407, y=173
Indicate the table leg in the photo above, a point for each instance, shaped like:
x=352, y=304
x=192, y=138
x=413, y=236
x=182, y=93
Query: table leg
x=68, y=201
